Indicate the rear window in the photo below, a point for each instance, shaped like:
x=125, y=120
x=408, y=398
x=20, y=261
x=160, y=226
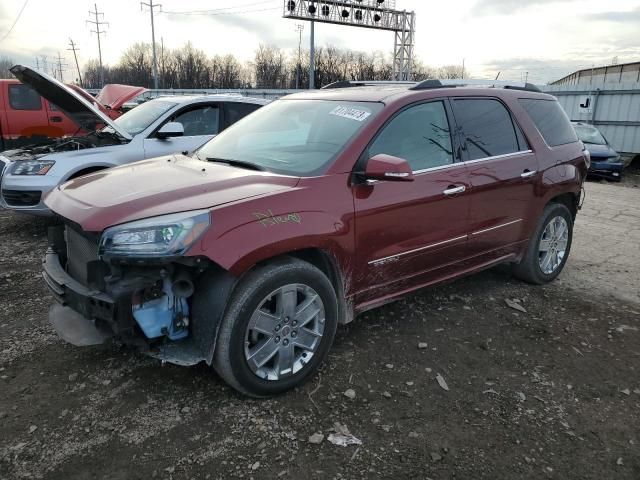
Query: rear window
x=487, y=128
x=23, y=97
x=551, y=120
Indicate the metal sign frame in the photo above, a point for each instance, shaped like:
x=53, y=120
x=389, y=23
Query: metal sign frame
x=373, y=14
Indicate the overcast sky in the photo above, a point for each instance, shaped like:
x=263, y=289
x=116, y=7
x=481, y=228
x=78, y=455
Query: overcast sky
x=547, y=38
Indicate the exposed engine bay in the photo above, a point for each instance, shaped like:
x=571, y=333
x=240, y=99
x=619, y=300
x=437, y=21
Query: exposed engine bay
x=99, y=138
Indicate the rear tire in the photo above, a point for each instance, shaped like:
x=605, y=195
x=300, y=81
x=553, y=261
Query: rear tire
x=549, y=247
x=277, y=328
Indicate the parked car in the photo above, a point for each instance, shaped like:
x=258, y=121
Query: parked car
x=26, y=118
x=247, y=254
x=605, y=161
x=158, y=127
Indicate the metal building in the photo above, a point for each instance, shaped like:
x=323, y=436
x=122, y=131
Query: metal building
x=599, y=76
x=607, y=97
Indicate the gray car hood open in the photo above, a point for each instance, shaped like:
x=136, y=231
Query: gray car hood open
x=74, y=105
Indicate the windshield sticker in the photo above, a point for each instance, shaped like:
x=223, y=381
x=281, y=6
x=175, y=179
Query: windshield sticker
x=268, y=219
x=350, y=113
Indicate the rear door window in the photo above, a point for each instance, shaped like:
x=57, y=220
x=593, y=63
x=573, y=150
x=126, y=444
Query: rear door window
x=487, y=128
x=203, y=120
x=23, y=97
x=234, y=111
x=551, y=120
x=419, y=134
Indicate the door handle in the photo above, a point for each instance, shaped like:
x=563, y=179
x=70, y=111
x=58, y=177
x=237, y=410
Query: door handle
x=528, y=173
x=453, y=190
x=56, y=119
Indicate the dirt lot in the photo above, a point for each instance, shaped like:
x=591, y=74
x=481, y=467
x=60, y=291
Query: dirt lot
x=550, y=393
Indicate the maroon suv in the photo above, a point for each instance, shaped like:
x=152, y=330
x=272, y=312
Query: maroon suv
x=248, y=253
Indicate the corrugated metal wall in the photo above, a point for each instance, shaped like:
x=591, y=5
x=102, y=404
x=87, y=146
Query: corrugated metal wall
x=615, y=110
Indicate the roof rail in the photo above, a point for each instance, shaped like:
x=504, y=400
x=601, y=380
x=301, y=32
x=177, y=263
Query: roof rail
x=434, y=83
x=429, y=84
x=367, y=83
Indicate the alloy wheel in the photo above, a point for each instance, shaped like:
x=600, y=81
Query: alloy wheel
x=553, y=245
x=284, y=332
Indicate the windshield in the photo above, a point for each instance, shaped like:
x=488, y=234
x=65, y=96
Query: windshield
x=590, y=135
x=292, y=137
x=137, y=120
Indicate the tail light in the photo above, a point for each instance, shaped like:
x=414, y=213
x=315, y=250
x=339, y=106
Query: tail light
x=587, y=156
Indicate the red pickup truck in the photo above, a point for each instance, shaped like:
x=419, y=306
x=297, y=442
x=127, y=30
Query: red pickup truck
x=26, y=117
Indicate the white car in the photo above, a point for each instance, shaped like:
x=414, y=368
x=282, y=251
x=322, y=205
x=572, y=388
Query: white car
x=159, y=127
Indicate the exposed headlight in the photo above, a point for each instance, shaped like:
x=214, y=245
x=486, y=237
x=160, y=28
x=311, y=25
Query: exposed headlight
x=167, y=235
x=32, y=167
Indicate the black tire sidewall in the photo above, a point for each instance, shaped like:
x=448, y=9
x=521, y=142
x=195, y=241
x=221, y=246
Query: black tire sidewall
x=241, y=371
x=551, y=211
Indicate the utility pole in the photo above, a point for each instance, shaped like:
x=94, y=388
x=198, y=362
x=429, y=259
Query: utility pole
x=312, y=57
x=153, y=40
x=162, y=60
x=299, y=28
x=61, y=78
x=98, y=23
x=463, y=60
x=74, y=49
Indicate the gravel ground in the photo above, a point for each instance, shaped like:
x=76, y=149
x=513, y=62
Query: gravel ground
x=553, y=392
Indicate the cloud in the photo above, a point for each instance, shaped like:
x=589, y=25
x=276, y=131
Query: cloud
x=499, y=7
x=632, y=16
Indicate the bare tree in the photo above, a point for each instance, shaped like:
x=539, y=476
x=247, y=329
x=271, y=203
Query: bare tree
x=189, y=67
x=269, y=68
x=5, y=64
x=451, y=72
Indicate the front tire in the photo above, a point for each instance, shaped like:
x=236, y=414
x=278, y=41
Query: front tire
x=549, y=247
x=277, y=329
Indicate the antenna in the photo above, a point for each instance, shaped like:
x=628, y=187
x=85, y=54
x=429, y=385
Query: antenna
x=74, y=49
x=98, y=23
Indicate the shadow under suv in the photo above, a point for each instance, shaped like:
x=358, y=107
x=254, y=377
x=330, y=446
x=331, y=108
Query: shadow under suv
x=249, y=253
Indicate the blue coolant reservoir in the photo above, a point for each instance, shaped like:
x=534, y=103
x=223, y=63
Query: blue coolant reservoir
x=165, y=316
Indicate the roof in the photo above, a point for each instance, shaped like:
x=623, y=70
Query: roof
x=387, y=93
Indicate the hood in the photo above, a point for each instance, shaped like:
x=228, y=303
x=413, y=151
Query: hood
x=82, y=111
x=114, y=96
x=158, y=187
x=598, y=152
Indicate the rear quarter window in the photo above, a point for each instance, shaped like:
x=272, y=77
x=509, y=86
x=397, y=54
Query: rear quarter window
x=551, y=120
x=23, y=97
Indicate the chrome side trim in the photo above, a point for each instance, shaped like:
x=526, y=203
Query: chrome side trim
x=470, y=162
x=397, y=256
x=498, y=157
x=480, y=232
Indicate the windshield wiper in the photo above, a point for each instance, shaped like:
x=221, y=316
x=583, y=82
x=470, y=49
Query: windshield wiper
x=237, y=163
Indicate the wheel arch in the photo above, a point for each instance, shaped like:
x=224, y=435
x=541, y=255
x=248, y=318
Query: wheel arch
x=208, y=310
x=570, y=200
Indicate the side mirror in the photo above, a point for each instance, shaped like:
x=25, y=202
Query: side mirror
x=171, y=129
x=389, y=168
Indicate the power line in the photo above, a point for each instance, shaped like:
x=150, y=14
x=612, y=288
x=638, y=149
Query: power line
x=98, y=23
x=226, y=13
x=213, y=10
x=15, y=21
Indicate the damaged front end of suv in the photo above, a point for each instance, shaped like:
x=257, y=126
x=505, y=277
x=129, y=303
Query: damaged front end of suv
x=134, y=282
